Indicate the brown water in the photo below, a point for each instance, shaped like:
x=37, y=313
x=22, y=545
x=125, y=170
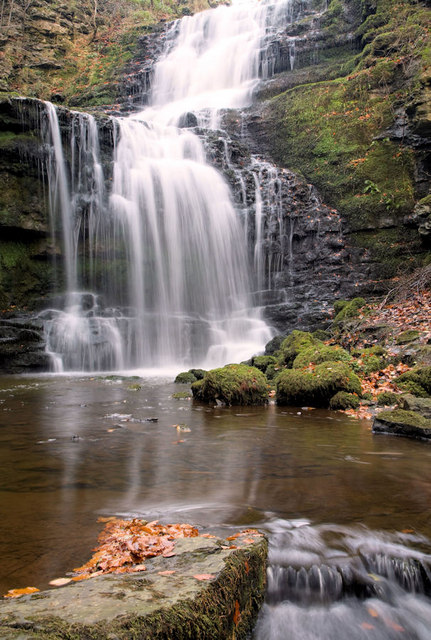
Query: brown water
x=74, y=449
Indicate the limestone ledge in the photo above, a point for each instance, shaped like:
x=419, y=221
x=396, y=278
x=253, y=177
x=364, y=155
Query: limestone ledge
x=153, y=603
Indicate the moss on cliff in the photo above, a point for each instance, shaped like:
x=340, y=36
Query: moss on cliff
x=348, y=135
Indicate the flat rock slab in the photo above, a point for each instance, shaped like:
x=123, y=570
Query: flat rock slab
x=400, y=422
x=207, y=590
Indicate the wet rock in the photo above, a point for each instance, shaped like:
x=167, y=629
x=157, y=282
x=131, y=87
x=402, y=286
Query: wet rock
x=206, y=591
x=400, y=422
x=420, y=405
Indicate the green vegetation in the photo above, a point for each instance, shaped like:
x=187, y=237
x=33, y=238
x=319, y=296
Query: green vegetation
x=343, y=400
x=335, y=132
x=316, y=386
x=417, y=381
x=347, y=310
x=294, y=343
x=263, y=362
x=185, y=377
x=387, y=398
x=402, y=417
x=74, y=51
x=235, y=384
x=320, y=353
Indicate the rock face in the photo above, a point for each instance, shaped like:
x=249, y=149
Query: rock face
x=206, y=590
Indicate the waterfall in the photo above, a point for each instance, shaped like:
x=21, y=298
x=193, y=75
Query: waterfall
x=155, y=268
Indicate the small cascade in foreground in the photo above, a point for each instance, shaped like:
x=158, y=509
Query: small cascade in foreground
x=333, y=582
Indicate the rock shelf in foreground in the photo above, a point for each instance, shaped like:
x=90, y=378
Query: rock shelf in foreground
x=207, y=590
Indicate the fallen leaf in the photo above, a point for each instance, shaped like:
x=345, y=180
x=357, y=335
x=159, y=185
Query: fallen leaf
x=17, y=593
x=204, y=576
x=165, y=573
x=373, y=612
x=365, y=625
x=60, y=582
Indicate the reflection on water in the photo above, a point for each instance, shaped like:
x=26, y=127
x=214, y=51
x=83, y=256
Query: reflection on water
x=74, y=449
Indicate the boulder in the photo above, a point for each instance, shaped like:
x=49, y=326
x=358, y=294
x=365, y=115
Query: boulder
x=400, y=422
x=208, y=589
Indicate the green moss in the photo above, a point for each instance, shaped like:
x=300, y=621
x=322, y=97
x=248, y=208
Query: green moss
x=182, y=395
x=343, y=400
x=198, y=373
x=185, y=377
x=263, y=362
x=408, y=418
x=316, y=387
x=387, y=398
x=294, y=343
x=320, y=353
x=349, y=310
x=408, y=336
x=417, y=381
x=233, y=385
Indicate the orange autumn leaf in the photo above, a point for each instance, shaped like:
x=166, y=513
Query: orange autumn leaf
x=204, y=576
x=373, y=612
x=165, y=573
x=17, y=593
x=366, y=625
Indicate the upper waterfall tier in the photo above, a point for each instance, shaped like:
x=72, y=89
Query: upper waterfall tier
x=214, y=60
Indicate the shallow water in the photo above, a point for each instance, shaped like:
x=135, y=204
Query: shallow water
x=74, y=449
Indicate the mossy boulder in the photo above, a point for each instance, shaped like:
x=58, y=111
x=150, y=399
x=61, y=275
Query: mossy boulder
x=417, y=382
x=400, y=422
x=185, y=377
x=387, y=398
x=320, y=353
x=368, y=361
x=294, y=343
x=274, y=345
x=198, y=373
x=263, y=362
x=349, y=310
x=316, y=386
x=344, y=400
x=235, y=384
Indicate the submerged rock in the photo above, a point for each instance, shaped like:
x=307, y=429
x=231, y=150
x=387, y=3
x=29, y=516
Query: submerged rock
x=206, y=590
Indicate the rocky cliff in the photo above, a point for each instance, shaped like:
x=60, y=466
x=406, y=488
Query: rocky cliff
x=334, y=154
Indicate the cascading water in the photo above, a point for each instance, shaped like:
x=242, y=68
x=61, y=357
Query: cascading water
x=157, y=272
x=331, y=582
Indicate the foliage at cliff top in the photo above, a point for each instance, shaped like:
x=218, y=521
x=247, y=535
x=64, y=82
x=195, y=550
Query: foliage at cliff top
x=338, y=132
x=51, y=49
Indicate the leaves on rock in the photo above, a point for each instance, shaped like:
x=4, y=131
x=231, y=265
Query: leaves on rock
x=125, y=544
x=17, y=593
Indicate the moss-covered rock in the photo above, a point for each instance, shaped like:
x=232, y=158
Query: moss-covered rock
x=263, y=362
x=400, y=422
x=198, y=373
x=185, y=377
x=320, y=353
x=294, y=343
x=315, y=387
x=417, y=381
x=349, y=310
x=387, y=398
x=343, y=400
x=208, y=589
x=235, y=384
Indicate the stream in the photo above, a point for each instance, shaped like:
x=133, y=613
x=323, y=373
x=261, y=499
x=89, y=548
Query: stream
x=334, y=499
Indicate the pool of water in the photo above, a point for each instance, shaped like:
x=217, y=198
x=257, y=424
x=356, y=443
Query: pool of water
x=73, y=449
